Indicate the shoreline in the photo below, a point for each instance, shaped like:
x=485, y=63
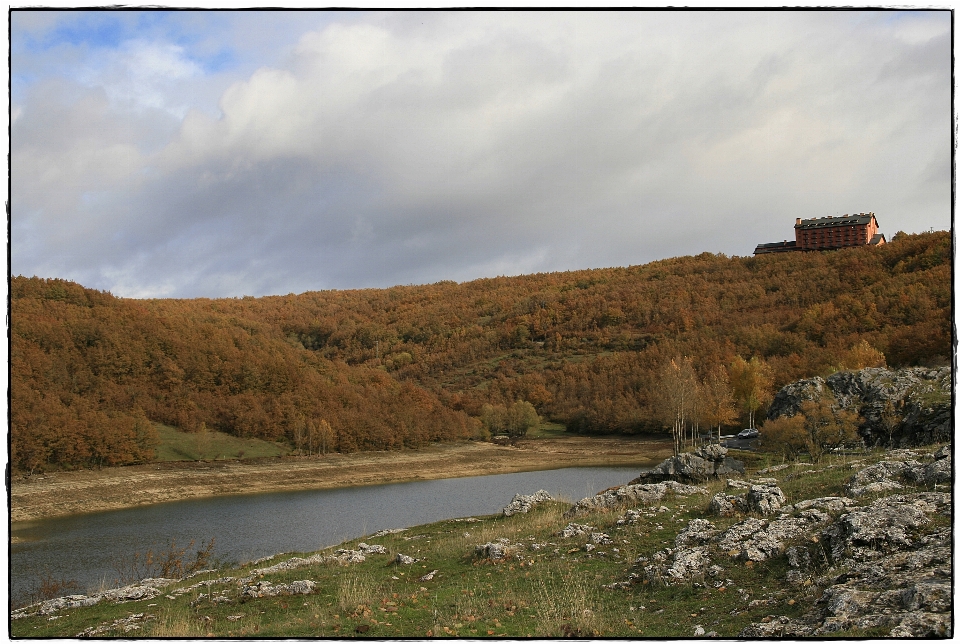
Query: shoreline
x=62, y=494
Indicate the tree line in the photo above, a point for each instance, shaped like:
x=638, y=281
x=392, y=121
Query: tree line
x=399, y=367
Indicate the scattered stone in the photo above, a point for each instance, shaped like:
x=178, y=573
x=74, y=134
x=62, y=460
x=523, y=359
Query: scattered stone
x=384, y=533
x=404, y=560
x=371, y=550
x=524, y=503
x=575, y=530
x=428, y=576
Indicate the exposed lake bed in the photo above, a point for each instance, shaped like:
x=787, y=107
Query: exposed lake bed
x=58, y=494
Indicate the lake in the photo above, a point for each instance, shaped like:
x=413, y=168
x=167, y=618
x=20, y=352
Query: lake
x=87, y=548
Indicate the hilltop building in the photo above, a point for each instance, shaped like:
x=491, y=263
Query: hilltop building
x=829, y=233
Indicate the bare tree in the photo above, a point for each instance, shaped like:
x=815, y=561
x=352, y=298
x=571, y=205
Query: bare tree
x=677, y=392
x=719, y=403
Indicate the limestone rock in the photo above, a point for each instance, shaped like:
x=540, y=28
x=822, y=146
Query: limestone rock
x=887, y=524
x=501, y=549
x=707, y=462
x=524, y=503
x=267, y=589
x=631, y=494
x=403, y=560
x=574, y=530
x=923, y=396
x=764, y=499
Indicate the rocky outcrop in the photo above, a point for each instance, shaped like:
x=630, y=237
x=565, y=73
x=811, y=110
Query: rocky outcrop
x=884, y=573
x=523, y=503
x=144, y=589
x=631, y=494
x=762, y=497
x=922, y=397
x=902, y=467
x=267, y=589
x=707, y=462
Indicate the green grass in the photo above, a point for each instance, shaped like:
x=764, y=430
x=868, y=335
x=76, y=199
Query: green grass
x=547, y=430
x=553, y=591
x=211, y=445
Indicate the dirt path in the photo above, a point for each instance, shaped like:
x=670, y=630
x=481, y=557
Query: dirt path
x=64, y=493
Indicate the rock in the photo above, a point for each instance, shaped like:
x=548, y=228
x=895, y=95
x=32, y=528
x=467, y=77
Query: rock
x=762, y=499
x=922, y=395
x=724, y=505
x=266, y=589
x=631, y=494
x=575, y=529
x=707, y=462
x=349, y=556
x=492, y=551
x=886, y=525
x=600, y=539
x=404, y=560
x=429, y=576
x=371, y=550
x=698, y=531
x=887, y=475
x=524, y=503
x=765, y=499
x=790, y=398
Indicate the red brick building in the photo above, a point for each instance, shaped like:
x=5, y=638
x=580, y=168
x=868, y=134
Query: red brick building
x=829, y=233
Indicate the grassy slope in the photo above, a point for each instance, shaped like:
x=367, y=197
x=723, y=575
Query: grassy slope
x=211, y=445
x=550, y=592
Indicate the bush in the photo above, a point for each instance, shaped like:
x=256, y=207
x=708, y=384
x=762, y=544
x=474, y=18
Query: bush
x=820, y=426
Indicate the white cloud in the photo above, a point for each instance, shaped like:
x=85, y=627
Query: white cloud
x=413, y=147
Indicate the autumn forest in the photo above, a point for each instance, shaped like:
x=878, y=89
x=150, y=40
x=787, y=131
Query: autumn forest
x=386, y=369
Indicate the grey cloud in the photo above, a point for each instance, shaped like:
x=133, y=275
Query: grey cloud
x=481, y=146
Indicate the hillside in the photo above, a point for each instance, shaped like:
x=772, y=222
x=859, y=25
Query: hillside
x=399, y=367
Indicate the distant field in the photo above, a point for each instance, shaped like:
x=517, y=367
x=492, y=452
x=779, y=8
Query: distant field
x=211, y=445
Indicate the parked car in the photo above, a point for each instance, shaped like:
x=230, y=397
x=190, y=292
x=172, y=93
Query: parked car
x=748, y=433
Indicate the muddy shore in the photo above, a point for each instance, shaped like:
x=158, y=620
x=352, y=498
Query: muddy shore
x=64, y=493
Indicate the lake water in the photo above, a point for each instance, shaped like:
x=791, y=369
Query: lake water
x=86, y=548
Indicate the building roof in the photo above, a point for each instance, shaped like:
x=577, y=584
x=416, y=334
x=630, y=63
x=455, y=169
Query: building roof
x=846, y=220
x=775, y=247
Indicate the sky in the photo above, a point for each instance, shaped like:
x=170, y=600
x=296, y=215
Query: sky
x=230, y=153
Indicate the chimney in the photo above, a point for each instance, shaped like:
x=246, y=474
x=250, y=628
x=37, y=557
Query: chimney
x=798, y=221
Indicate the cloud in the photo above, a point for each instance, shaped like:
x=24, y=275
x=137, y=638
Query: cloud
x=382, y=149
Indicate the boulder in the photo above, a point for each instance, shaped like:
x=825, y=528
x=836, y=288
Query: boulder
x=888, y=524
x=523, y=503
x=492, y=551
x=764, y=499
x=404, y=560
x=707, y=462
x=890, y=474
